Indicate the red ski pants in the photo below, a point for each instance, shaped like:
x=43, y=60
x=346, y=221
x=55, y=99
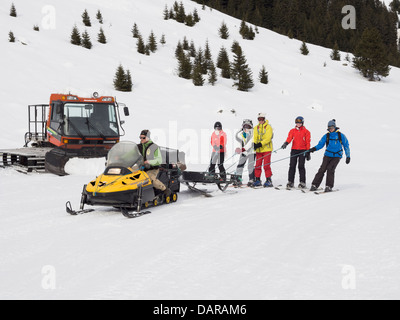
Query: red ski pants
x=263, y=157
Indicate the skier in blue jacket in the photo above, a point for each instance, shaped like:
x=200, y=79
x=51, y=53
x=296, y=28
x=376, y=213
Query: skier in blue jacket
x=335, y=142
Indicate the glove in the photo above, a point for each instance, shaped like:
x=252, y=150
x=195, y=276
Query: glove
x=216, y=148
x=221, y=147
x=308, y=156
x=257, y=145
x=285, y=145
x=147, y=166
x=312, y=149
x=347, y=160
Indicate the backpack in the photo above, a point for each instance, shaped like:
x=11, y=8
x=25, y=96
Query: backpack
x=328, y=137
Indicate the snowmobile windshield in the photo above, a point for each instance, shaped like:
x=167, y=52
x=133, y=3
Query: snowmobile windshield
x=125, y=154
x=90, y=120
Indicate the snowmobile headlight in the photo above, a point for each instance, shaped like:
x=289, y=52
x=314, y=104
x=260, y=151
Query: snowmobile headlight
x=65, y=140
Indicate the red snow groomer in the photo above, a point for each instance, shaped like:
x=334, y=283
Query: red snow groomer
x=68, y=127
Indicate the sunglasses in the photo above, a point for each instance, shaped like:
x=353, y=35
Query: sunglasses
x=261, y=119
x=298, y=121
x=246, y=127
x=142, y=138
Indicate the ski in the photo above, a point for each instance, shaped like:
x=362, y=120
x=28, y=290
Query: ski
x=322, y=192
x=308, y=190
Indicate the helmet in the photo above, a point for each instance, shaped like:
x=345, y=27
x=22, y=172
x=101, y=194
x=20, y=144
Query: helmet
x=332, y=123
x=218, y=125
x=261, y=115
x=299, y=119
x=247, y=124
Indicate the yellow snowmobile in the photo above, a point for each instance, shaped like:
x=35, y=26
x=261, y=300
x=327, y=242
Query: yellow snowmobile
x=125, y=184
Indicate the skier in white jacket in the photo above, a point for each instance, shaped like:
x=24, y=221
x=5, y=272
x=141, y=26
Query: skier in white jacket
x=245, y=137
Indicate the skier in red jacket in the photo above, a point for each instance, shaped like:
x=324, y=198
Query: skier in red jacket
x=301, y=138
x=218, y=142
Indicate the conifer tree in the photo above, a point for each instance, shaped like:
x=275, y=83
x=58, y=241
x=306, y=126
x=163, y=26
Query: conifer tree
x=147, y=50
x=192, y=49
x=197, y=76
x=185, y=43
x=171, y=14
x=223, y=31
x=99, y=17
x=236, y=48
x=180, y=14
x=11, y=37
x=179, y=50
x=241, y=73
x=101, y=37
x=175, y=6
x=166, y=13
x=212, y=74
x=76, y=36
x=86, y=43
x=184, y=66
x=263, y=75
x=201, y=61
x=13, y=11
x=335, y=54
x=86, y=19
x=162, y=40
x=141, y=47
x=152, y=43
x=119, y=79
x=207, y=52
x=222, y=57
x=196, y=17
x=370, y=57
x=123, y=80
x=135, y=31
x=189, y=21
x=304, y=49
x=128, y=81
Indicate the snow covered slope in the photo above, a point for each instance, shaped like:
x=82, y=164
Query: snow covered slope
x=250, y=244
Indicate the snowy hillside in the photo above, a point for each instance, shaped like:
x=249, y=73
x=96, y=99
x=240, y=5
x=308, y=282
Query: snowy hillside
x=250, y=244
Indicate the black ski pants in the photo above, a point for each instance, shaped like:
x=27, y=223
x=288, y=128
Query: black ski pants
x=217, y=157
x=297, y=156
x=328, y=165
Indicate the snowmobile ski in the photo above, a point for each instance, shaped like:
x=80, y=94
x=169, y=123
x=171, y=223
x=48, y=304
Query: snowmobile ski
x=134, y=214
x=72, y=212
x=202, y=192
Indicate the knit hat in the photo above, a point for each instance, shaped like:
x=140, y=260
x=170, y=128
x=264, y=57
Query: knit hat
x=146, y=133
x=332, y=123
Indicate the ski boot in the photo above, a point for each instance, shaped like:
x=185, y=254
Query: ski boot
x=302, y=185
x=250, y=183
x=257, y=183
x=268, y=183
x=313, y=188
x=289, y=185
x=328, y=189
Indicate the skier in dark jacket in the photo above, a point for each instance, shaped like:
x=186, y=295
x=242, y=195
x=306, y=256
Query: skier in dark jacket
x=335, y=142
